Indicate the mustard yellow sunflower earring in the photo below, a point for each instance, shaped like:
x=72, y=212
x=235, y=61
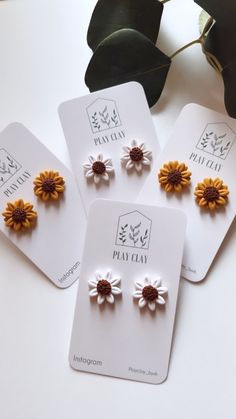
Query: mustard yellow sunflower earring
x=19, y=215
x=49, y=185
x=174, y=176
x=211, y=193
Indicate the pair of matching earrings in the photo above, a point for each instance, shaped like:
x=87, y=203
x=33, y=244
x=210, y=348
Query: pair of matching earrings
x=134, y=156
x=149, y=292
x=209, y=194
x=20, y=215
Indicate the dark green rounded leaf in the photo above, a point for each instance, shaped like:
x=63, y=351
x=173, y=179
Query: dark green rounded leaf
x=229, y=77
x=124, y=56
x=219, y=43
x=223, y=11
x=112, y=15
x=220, y=46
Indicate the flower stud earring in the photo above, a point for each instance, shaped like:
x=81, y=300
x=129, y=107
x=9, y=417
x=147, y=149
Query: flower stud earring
x=104, y=288
x=98, y=169
x=174, y=176
x=49, y=185
x=136, y=156
x=19, y=215
x=150, y=293
x=211, y=193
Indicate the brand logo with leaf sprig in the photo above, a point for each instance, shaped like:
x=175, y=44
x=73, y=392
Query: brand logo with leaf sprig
x=8, y=166
x=217, y=140
x=103, y=115
x=134, y=230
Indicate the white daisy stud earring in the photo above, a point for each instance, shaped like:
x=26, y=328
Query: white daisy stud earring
x=104, y=287
x=150, y=293
x=98, y=169
x=136, y=156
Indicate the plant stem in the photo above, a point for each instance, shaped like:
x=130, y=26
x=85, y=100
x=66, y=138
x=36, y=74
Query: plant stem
x=196, y=41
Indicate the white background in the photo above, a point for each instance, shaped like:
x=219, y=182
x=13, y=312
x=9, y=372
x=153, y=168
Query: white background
x=43, y=56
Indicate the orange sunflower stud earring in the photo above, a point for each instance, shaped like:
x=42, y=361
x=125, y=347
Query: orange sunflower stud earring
x=49, y=185
x=211, y=193
x=19, y=215
x=174, y=176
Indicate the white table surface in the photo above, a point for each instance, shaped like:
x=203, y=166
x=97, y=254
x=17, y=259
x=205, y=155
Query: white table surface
x=43, y=57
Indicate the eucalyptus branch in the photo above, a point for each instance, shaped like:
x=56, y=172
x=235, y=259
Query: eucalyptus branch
x=196, y=41
x=213, y=60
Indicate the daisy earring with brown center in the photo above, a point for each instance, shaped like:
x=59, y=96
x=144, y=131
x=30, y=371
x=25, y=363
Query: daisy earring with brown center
x=150, y=293
x=49, y=185
x=211, y=194
x=98, y=169
x=19, y=215
x=136, y=156
x=104, y=288
x=174, y=176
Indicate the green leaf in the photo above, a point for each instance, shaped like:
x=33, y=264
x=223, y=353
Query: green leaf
x=220, y=46
x=223, y=11
x=112, y=15
x=229, y=77
x=125, y=56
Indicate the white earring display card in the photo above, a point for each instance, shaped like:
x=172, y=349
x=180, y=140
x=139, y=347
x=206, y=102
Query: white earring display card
x=128, y=291
x=97, y=127
x=46, y=220
x=205, y=141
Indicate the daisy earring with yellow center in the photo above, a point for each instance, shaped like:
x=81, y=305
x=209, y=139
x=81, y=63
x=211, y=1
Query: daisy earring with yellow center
x=136, y=156
x=174, y=176
x=49, y=186
x=98, y=169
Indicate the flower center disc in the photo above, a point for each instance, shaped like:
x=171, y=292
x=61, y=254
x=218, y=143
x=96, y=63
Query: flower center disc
x=136, y=154
x=48, y=185
x=174, y=177
x=18, y=215
x=211, y=194
x=98, y=167
x=150, y=293
x=103, y=287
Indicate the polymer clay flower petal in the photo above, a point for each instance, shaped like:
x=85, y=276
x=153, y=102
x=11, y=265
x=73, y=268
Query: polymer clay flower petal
x=149, y=293
x=162, y=290
x=110, y=298
x=115, y=281
x=102, y=287
x=211, y=194
x=97, y=179
x=139, y=285
x=105, y=176
x=152, y=306
x=138, y=167
x=129, y=165
x=19, y=215
x=136, y=156
x=93, y=292
x=160, y=300
x=174, y=176
x=116, y=290
x=49, y=185
x=137, y=294
x=101, y=299
x=156, y=283
x=142, y=302
x=92, y=282
x=98, y=169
